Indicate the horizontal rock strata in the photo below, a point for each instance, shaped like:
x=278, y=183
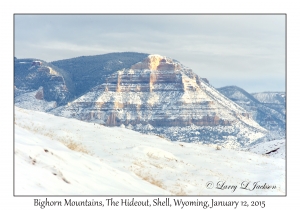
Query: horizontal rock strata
x=157, y=91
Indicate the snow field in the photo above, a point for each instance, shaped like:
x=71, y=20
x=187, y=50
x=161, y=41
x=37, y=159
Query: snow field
x=56, y=155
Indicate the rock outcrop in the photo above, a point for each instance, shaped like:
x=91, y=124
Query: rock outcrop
x=39, y=94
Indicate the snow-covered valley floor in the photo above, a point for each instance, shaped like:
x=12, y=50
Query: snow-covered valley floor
x=61, y=156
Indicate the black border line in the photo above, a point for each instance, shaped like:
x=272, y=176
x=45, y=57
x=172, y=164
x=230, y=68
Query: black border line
x=285, y=14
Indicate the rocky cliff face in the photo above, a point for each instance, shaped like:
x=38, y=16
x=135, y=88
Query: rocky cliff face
x=161, y=96
x=31, y=74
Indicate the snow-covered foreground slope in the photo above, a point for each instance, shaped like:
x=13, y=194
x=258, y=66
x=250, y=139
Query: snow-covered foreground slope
x=274, y=148
x=45, y=166
x=118, y=161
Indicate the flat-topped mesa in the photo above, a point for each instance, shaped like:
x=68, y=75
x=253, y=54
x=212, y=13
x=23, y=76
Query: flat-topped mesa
x=157, y=62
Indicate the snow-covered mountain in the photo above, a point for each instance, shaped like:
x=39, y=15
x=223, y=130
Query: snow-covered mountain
x=90, y=71
x=273, y=100
x=161, y=96
x=64, y=80
x=268, y=108
x=61, y=156
x=270, y=97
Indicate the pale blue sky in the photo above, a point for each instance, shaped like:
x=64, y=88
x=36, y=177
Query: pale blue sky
x=243, y=50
